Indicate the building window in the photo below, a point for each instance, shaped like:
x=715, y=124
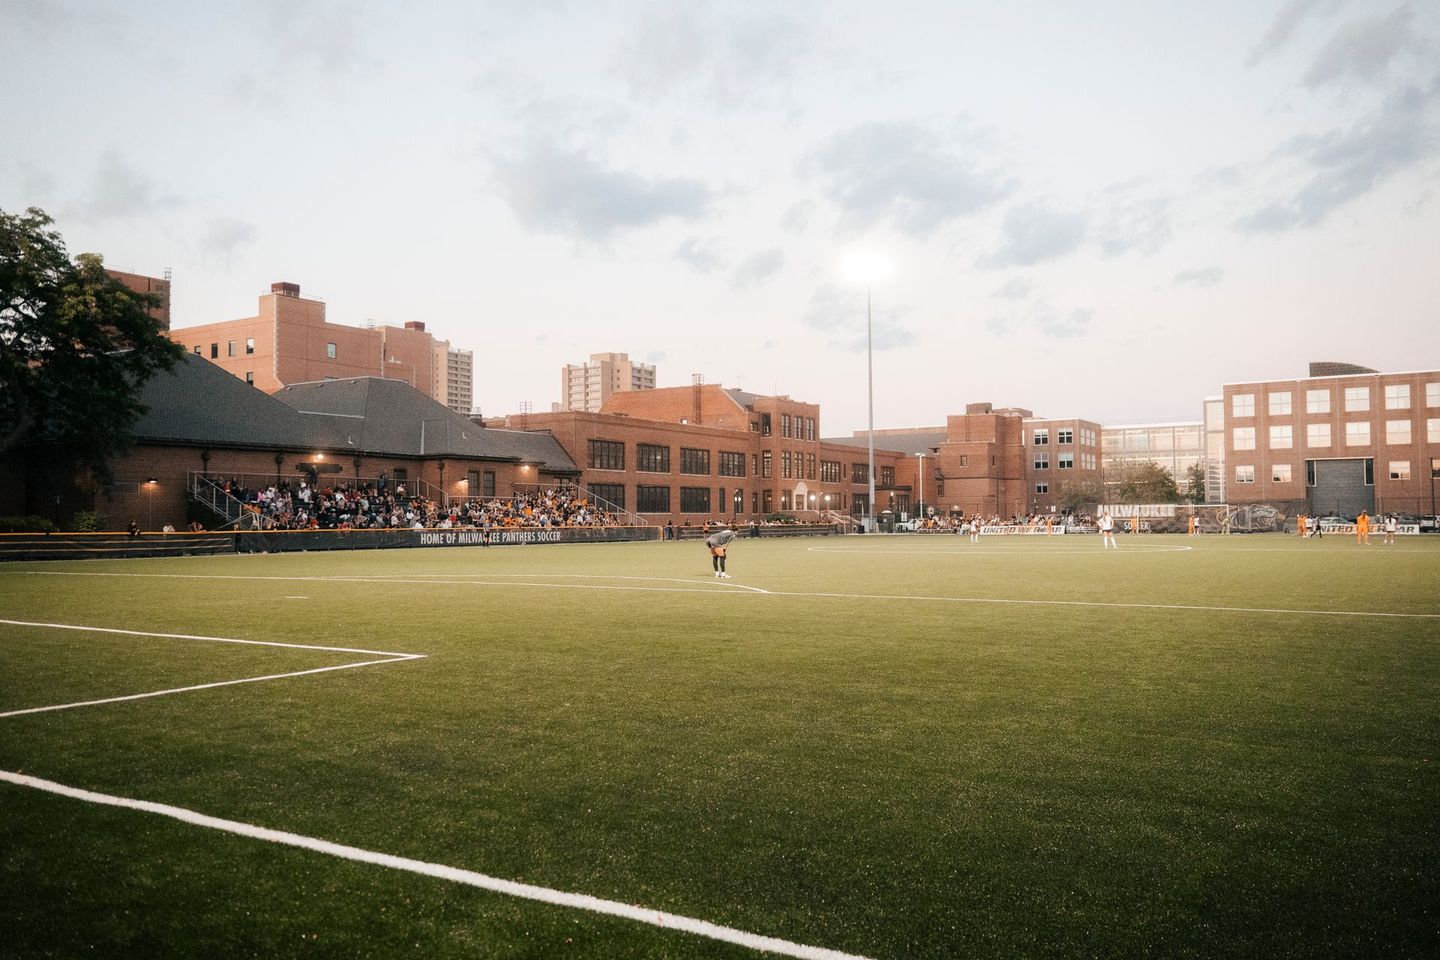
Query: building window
x=652, y=499
x=1042, y=438
x=609, y=495
x=1397, y=396
x=859, y=473
x=1244, y=473
x=214, y=351
x=694, y=499
x=1432, y=394
x=964, y=460
x=887, y=476
x=1434, y=468
x=1244, y=438
x=1399, y=469
x=1281, y=438
x=1357, y=434
x=330, y=351
x=1357, y=399
x=767, y=465
x=732, y=464
x=1317, y=401
x=764, y=424
x=1280, y=473
x=1065, y=436
x=652, y=458
x=784, y=500
x=1317, y=435
x=784, y=424
x=1432, y=430
x=1066, y=461
x=810, y=429
x=1242, y=405
x=1042, y=486
x=785, y=464
x=695, y=461
x=769, y=501
x=1397, y=431
x=487, y=485
x=249, y=345
x=830, y=469
x=250, y=377
x=606, y=455
x=1042, y=460
x=1280, y=403
x=809, y=466
x=229, y=348
x=198, y=350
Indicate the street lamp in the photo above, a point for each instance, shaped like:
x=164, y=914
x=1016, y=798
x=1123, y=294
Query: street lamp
x=920, y=463
x=868, y=267
x=150, y=503
x=813, y=498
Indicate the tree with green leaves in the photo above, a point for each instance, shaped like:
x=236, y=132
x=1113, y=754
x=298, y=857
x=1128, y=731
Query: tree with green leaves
x=75, y=347
x=1195, y=483
x=1076, y=496
x=1141, y=482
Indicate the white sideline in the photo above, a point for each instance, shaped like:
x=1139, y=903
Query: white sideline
x=1186, y=607
x=470, y=878
x=387, y=657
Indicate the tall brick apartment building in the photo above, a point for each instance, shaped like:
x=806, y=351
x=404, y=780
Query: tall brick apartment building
x=290, y=341
x=1342, y=440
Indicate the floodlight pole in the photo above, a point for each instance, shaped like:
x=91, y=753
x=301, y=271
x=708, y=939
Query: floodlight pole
x=920, y=462
x=870, y=434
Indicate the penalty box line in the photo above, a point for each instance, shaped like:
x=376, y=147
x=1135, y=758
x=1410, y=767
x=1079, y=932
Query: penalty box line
x=470, y=878
x=385, y=657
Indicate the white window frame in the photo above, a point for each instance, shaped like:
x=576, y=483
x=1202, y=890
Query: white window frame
x=1357, y=433
x=1317, y=401
x=1244, y=473
x=1281, y=473
x=1242, y=405
x=1242, y=438
x=1397, y=432
x=1310, y=431
x=1432, y=430
x=1399, y=469
x=1282, y=437
x=1280, y=405
x=1357, y=399
x=1397, y=396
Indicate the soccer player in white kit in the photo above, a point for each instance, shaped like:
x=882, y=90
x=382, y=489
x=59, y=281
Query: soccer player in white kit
x=1107, y=531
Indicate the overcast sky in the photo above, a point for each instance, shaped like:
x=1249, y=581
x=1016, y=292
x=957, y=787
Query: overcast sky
x=1098, y=210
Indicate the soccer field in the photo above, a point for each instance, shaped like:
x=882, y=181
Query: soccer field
x=887, y=747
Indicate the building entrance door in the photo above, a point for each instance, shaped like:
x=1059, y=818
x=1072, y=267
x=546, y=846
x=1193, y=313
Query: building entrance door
x=1341, y=487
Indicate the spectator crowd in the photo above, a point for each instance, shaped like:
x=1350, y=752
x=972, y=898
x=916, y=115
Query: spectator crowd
x=379, y=506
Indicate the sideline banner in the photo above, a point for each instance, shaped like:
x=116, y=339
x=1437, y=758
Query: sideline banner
x=1026, y=531
x=280, y=541
x=1376, y=530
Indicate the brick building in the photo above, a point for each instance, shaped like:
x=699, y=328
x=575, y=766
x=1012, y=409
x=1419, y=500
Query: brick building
x=289, y=341
x=687, y=454
x=589, y=386
x=152, y=285
x=1338, y=443
x=202, y=421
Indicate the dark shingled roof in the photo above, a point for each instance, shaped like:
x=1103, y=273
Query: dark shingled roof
x=199, y=403
x=746, y=400
x=390, y=416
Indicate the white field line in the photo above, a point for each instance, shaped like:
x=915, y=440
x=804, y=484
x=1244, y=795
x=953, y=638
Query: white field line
x=470, y=878
x=974, y=551
x=526, y=891
x=1101, y=604
x=386, y=657
x=713, y=588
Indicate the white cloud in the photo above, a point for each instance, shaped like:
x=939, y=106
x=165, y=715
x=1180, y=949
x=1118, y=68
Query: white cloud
x=555, y=190
x=757, y=268
x=1034, y=234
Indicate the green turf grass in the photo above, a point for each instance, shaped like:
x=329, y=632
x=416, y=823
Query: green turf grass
x=861, y=770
